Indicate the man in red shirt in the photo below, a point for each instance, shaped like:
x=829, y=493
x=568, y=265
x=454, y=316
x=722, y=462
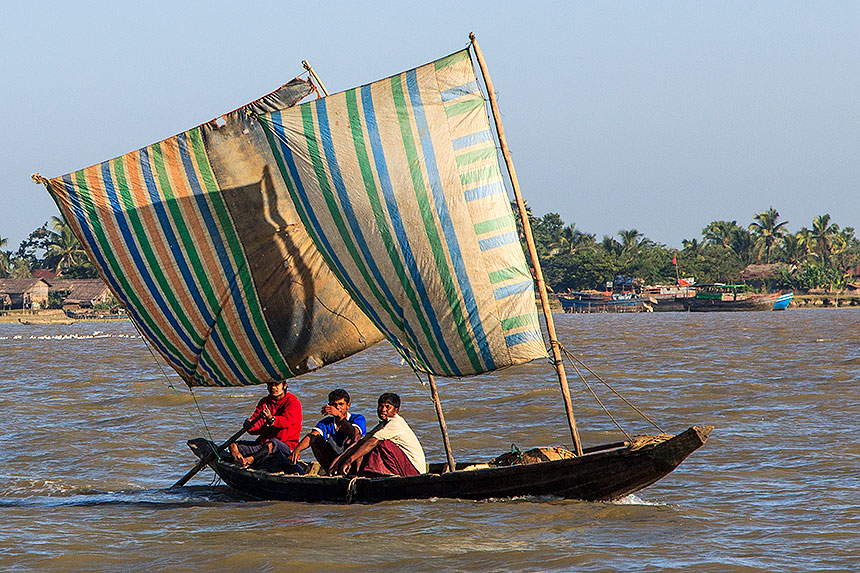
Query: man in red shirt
x=277, y=423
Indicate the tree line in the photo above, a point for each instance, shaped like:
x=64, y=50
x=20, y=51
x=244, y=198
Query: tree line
x=821, y=256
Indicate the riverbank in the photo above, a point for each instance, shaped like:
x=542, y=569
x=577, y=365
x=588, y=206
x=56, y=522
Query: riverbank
x=53, y=316
x=831, y=300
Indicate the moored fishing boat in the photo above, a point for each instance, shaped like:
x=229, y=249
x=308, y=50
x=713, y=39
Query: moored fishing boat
x=783, y=301
x=720, y=297
x=577, y=302
x=286, y=236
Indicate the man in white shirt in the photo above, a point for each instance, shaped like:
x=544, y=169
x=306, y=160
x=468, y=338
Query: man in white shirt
x=390, y=448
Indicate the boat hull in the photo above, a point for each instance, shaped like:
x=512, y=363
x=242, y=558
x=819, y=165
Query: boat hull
x=572, y=305
x=756, y=302
x=599, y=476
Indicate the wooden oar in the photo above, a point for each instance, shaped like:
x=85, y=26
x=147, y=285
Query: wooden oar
x=210, y=456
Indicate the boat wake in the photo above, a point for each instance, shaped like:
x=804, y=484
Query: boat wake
x=54, y=495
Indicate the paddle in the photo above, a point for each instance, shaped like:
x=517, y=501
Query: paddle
x=211, y=455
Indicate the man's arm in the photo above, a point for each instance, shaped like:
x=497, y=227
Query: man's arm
x=303, y=445
x=355, y=452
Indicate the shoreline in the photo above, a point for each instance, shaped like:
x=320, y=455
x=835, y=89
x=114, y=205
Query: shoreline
x=53, y=316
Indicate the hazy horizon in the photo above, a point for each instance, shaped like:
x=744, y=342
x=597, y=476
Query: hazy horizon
x=660, y=118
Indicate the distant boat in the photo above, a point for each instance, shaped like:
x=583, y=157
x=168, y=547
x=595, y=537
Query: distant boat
x=669, y=298
x=577, y=302
x=725, y=297
x=783, y=301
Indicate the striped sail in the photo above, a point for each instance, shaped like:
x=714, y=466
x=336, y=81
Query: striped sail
x=398, y=183
x=197, y=237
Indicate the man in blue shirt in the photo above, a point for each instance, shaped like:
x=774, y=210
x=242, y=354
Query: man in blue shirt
x=334, y=433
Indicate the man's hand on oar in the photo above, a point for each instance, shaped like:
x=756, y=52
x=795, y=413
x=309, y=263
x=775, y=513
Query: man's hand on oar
x=212, y=455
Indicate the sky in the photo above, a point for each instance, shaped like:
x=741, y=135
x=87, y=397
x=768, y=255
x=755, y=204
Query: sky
x=655, y=116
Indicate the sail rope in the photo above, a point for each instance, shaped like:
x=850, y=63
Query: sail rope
x=170, y=384
x=574, y=360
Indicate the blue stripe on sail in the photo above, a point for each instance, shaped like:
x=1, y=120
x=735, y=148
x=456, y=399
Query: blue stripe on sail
x=472, y=139
x=484, y=191
x=132, y=246
x=498, y=241
x=461, y=90
x=445, y=219
x=523, y=337
x=352, y=220
x=129, y=239
x=300, y=195
x=229, y=272
x=78, y=209
x=397, y=223
x=513, y=289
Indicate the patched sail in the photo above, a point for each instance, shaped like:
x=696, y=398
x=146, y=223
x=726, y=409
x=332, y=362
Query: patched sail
x=198, y=238
x=398, y=183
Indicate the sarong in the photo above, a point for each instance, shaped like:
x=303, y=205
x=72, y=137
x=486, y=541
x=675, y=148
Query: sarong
x=386, y=459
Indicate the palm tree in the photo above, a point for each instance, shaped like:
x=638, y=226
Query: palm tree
x=630, y=242
x=611, y=246
x=767, y=231
x=4, y=257
x=19, y=268
x=720, y=233
x=741, y=242
x=64, y=247
x=692, y=246
x=841, y=246
x=793, y=248
x=805, y=242
x=822, y=235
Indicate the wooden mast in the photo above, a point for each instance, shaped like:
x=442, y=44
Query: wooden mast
x=434, y=393
x=527, y=231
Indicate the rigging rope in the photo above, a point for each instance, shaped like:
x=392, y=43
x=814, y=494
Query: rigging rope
x=572, y=358
x=170, y=384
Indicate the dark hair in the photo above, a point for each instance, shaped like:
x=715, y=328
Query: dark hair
x=390, y=398
x=336, y=395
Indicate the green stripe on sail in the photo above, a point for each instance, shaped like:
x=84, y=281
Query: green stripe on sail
x=508, y=273
x=452, y=59
x=503, y=222
x=245, y=280
x=482, y=154
x=190, y=250
x=480, y=175
x=153, y=264
x=339, y=222
x=519, y=321
x=383, y=225
x=116, y=268
x=464, y=106
x=439, y=256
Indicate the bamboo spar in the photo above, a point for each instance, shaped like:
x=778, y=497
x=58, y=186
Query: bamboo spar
x=313, y=74
x=527, y=231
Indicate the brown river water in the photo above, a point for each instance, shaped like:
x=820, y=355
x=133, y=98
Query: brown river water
x=93, y=435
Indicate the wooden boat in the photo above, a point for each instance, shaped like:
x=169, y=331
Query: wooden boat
x=285, y=236
x=729, y=298
x=602, y=473
x=783, y=301
x=578, y=302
